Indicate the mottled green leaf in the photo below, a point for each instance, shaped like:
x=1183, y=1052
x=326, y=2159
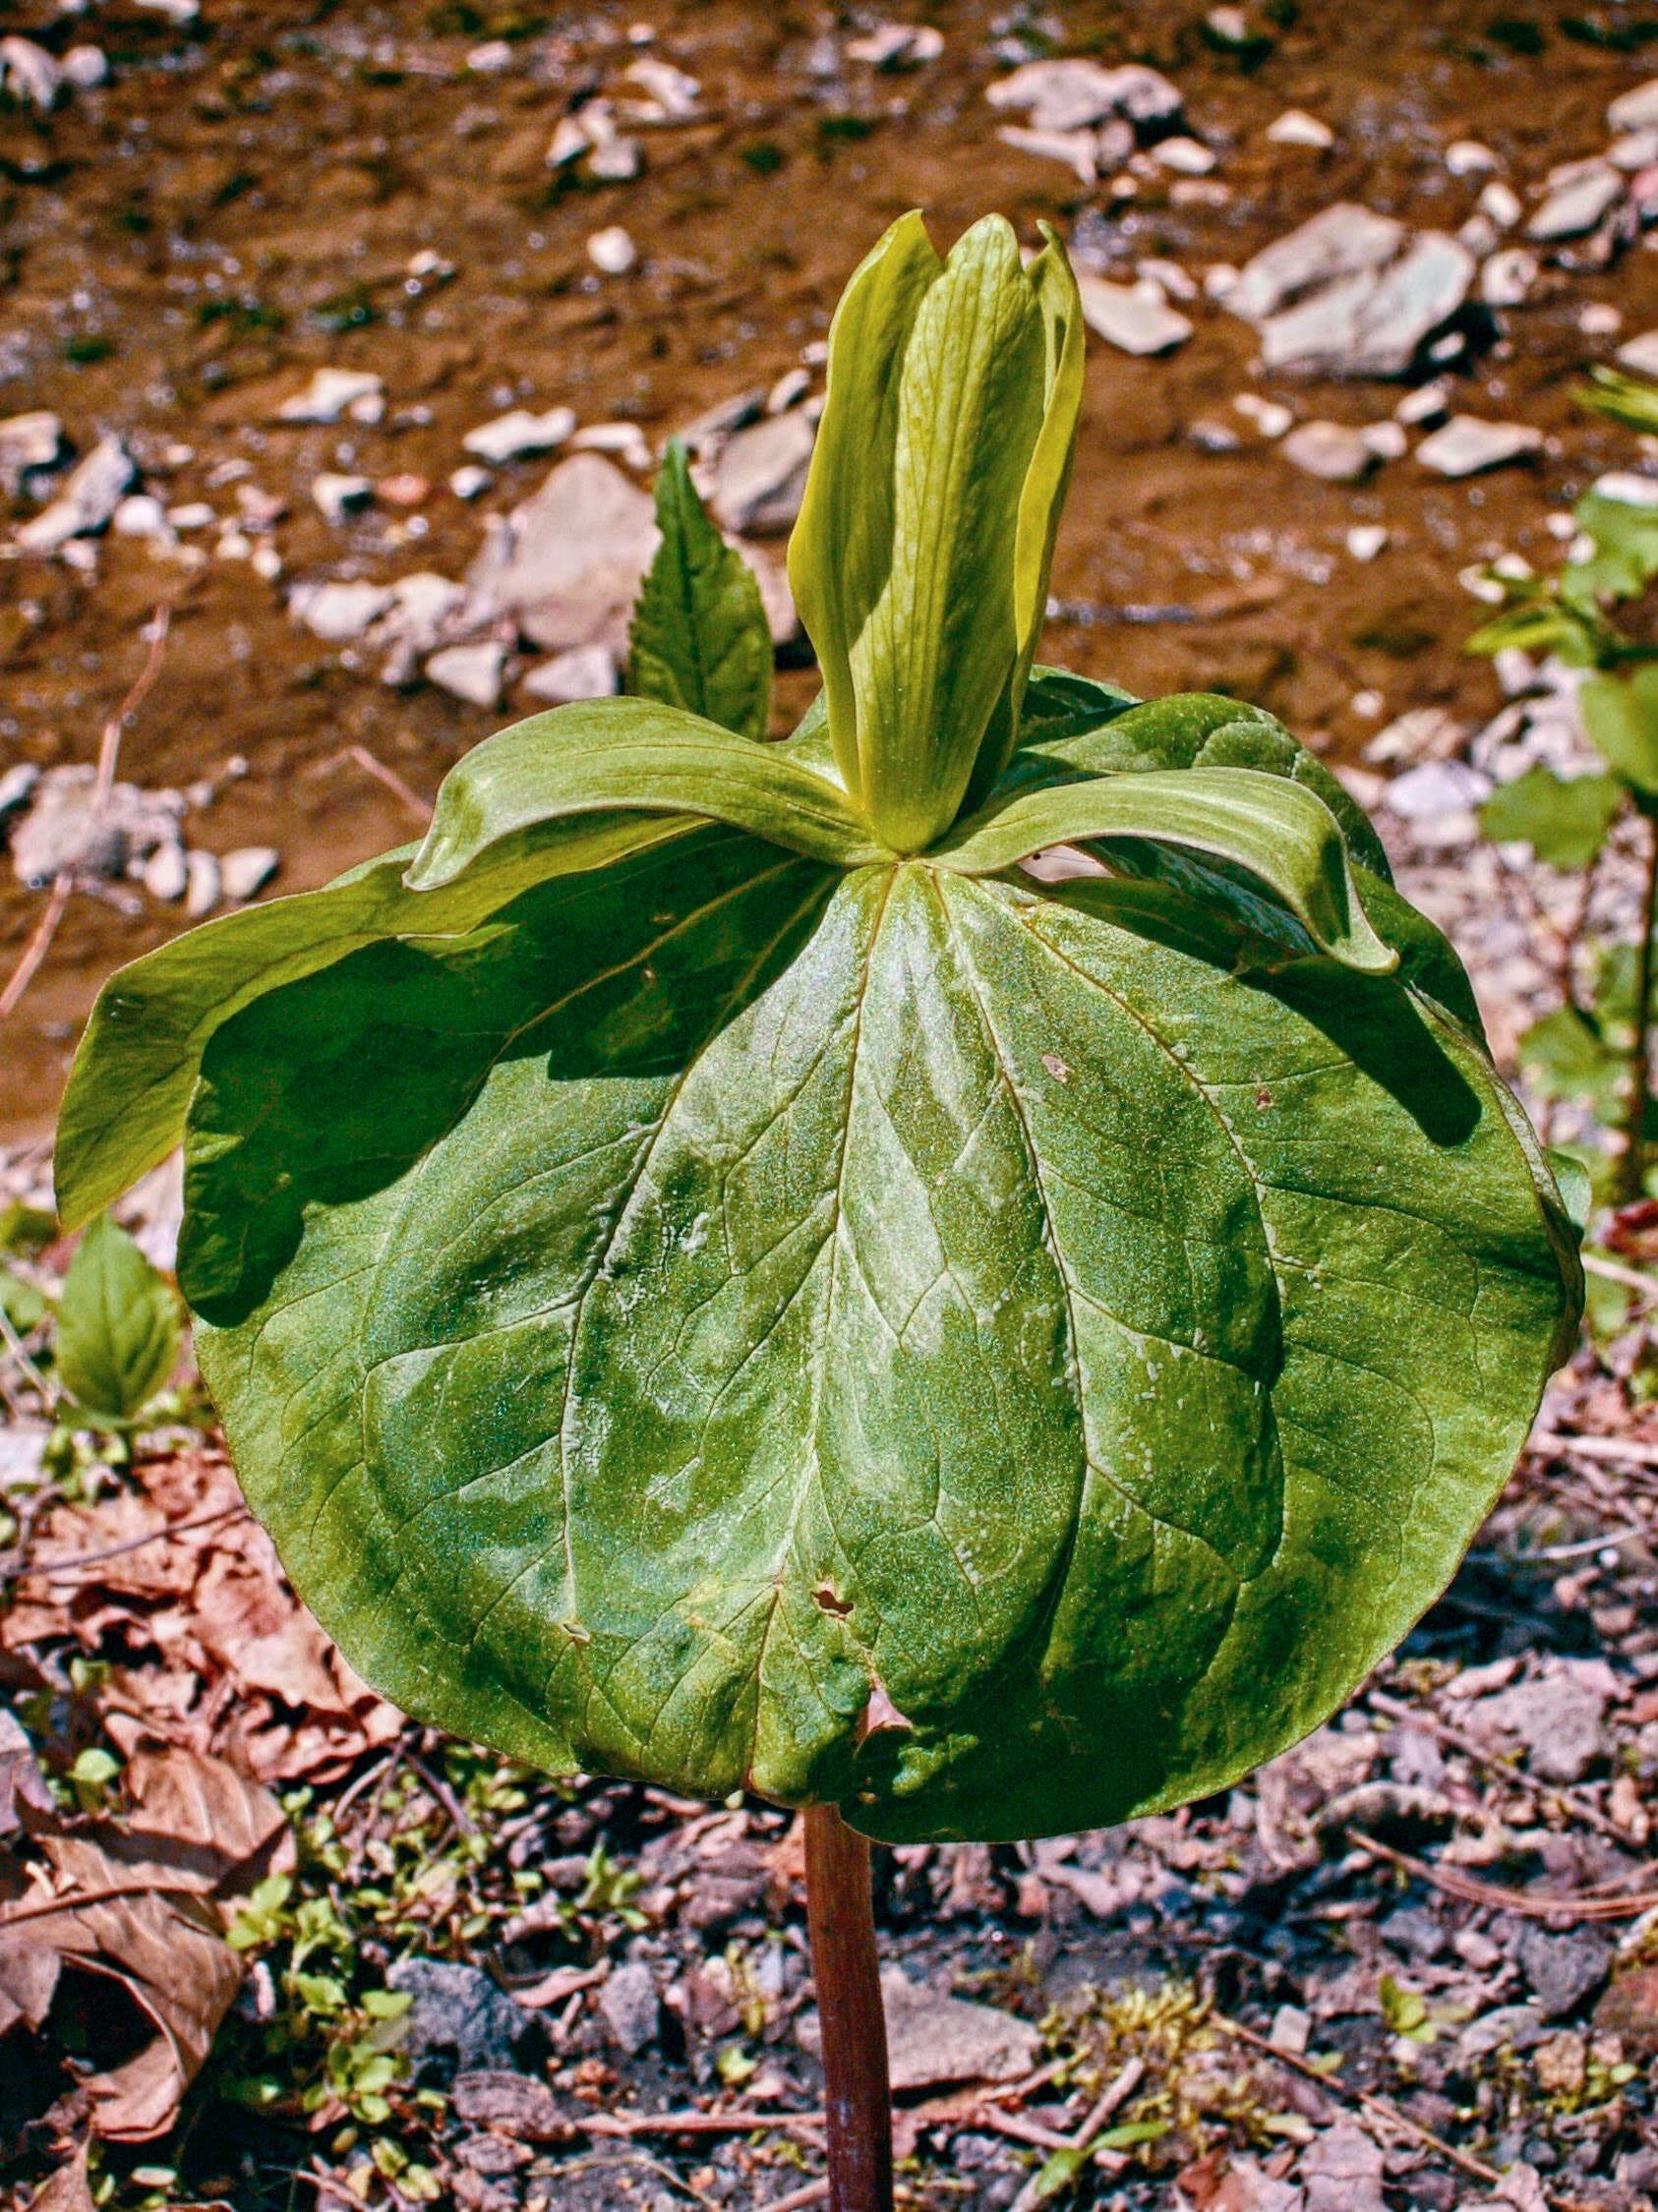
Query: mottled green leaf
x=118, y=1325
x=1565, y=819
x=721, y=1288
x=1266, y=824
x=607, y=754
x=700, y=638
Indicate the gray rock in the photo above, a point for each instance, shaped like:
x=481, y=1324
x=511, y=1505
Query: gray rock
x=335, y=612
x=1344, y=240
x=201, y=884
x=458, y=2017
x=1640, y=354
x=331, y=393
x=1517, y=2028
x=246, y=871
x=508, y=438
x=91, y=492
x=760, y=478
x=61, y=829
x=1467, y=444
x=85, y=68
x=1341, y=2170
x=1137, y=322
x=1068, y=95
x=424, y=610
x=630, y=2008
x=1637, y=110
x=165, y=874
x=29, y=442
x=567, y=564
x=472, y=672
x=1506, y=278
x=616, y=161
x=337, y=496
x=1329, y=449
x=933, y=2039
x=1373, y=323
x=585, y=671
x=1557, y=1719
x=1563, y=1969
x=1579, y=195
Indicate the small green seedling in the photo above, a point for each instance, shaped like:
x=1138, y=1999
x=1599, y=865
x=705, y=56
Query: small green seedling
x=711, y=1271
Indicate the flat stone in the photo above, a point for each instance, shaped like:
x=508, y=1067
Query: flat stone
x=1068, y=95
x=630, y=2008
x=1635, y=109
x=1630, y=2010
x=1437, y=787
x=61, y=829
x=1506, y=278
x=1516, y=2028
x=422, y=610
x=566, y=565
x=1188, y=157
x=616, y=161
x=1372, y=323
x=27, y=442
x=1579, y=196
x=1563, y=1969
x=932, y=2039
x=1134, y=321
x=1555, y=1719
x=472, y=672
x=246, y=870
x=1467, y=444
x=337, y=496
x=1078, y=149
x=91, y=492
x=1640, y=354
x=1343, y=240
x=336, y=613
x=585, y=671
x=1295, y=127
x=332, y=392
x=517, y=2105
x=612, y=251
x=760, y=478
x=1470, y=157
x=165, y=875
x=892, y=44
x=458, y=2017
x=203, y=884
x=1623, y=484
x=510, y=437
x=1341, y=2170
x=1330, y=451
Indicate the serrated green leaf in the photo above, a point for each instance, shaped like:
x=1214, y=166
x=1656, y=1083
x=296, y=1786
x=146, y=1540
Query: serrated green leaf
x=124, y=1107
x=118, y=1325
x=1272, y=827
x=1620, y=716
x=607, y=754
x=1565, y=819
x=919, y=561
x=723, y=1285
x=700, y=638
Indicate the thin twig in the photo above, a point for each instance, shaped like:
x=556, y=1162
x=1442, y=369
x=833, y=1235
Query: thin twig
x=136, y=1543
x=1585, y=1905
x=420, y=808
x=1571, y=1802
x=1614, y=1449
x=814, y=2192
x=1380, y=2106
x=1645, y=1286
x=15, y=1345
x=441, y=1790
x=110, y=745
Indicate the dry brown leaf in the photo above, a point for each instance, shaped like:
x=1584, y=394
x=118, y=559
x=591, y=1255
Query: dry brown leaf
x=67, y=2190
x=25, y=1800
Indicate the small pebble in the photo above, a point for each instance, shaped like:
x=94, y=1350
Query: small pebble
x=201, y=884
x=248, y=870
x=1467, y=157
x=166, y=874
x=1365, y=541
x=612, y=251
x=466, y=482
x=1295, y=127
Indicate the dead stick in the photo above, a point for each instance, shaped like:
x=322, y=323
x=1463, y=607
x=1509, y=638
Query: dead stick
x=1380, y=2106
x=109, y=744
x=856, y=2097
x=1596, y=1904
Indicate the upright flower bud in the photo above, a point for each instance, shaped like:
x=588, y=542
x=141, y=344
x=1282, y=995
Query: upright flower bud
x=920, y=559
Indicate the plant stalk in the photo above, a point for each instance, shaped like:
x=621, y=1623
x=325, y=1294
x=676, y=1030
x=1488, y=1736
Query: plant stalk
x=856, y=2097
x=1632, y=1173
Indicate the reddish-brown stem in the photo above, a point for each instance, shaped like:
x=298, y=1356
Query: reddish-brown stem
x=857, y=2101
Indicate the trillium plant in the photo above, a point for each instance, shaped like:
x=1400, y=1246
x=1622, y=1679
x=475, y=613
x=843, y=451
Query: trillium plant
x=713, y=1271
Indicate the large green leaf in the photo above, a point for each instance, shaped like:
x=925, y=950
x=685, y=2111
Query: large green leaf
x=1266, y=824
x=920, y=562
x=118, y=1325
x=723, y=1299
x=611, y=753
x=124, y=1108
x=1565, y=819
x=700, y=638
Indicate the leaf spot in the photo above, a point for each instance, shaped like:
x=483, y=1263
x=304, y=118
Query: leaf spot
x=1057, y=1067
x=1263, y=1096
x=832, y=1601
